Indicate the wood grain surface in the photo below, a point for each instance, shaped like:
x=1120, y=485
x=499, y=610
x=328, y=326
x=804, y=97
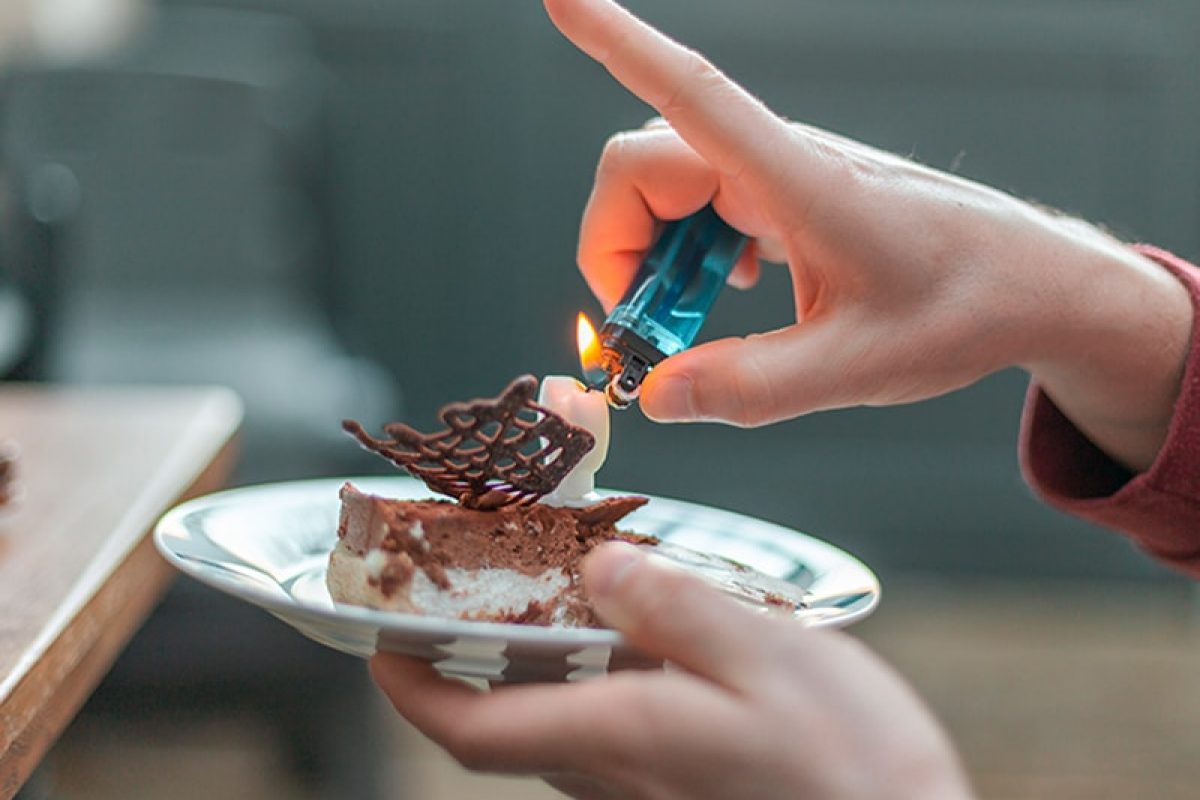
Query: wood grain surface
x=78, y=572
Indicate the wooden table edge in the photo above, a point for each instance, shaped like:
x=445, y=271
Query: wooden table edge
x=49, y=693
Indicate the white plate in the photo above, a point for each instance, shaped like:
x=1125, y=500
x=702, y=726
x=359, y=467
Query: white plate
x=269, y=545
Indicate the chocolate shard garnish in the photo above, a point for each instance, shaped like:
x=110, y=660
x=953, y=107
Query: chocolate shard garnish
x=493, y=453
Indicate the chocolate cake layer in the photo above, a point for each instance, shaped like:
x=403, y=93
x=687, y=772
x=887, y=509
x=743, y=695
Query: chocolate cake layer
x=437, y=534
x=518, y=563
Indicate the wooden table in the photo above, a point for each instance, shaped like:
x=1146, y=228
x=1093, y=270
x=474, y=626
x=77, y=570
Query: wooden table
x=78, y=571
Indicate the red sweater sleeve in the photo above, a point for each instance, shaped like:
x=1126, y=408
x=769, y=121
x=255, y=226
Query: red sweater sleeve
x=1160, y=508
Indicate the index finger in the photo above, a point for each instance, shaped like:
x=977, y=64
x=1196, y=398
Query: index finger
x=729, y=127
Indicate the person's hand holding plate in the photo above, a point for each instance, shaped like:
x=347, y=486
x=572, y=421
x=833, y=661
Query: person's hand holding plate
x=755, y=706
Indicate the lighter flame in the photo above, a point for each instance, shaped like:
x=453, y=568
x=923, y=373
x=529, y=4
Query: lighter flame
x=589, y=344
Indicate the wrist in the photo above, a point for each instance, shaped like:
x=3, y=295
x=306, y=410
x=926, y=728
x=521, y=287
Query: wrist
x=1111, y=344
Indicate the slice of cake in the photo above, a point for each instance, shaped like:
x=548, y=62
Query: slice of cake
x=495, y=553
x=517, y=563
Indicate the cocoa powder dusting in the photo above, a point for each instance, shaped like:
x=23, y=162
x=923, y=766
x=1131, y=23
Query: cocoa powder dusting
x=398, y=572
x=534, y=614
x=437, y=574
x=437, y=534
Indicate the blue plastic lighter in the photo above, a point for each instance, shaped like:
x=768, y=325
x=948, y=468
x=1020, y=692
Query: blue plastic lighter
x=669, y=299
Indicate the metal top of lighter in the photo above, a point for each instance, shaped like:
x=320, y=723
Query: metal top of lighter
x=668, y=300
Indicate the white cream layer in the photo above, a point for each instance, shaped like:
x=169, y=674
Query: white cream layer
x=472, y=592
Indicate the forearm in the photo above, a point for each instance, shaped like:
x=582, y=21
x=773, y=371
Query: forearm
x=1114, y=334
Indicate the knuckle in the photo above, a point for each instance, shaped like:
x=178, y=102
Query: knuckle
x=744, y=394
x=654, y=719
x=697, y=75
x=615, y=153
x=849, y=170
x=753, y=389
x=705, y=73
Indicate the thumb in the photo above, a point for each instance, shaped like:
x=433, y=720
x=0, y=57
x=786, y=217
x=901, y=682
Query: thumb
x=758, y=379
x=670, y=614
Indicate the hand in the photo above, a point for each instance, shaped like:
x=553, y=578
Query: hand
x=908, y=282
x=759, y=706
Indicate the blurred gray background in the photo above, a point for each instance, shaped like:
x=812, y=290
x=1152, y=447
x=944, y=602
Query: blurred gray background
x=367, y=208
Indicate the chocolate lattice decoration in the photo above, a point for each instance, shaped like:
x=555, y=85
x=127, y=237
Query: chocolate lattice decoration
x=493, y=453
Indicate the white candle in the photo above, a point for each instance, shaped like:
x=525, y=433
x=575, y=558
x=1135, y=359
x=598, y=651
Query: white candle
x=589, y=410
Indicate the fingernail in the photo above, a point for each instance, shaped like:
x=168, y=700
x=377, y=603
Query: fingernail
x=671, y=400
x=611, y=566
